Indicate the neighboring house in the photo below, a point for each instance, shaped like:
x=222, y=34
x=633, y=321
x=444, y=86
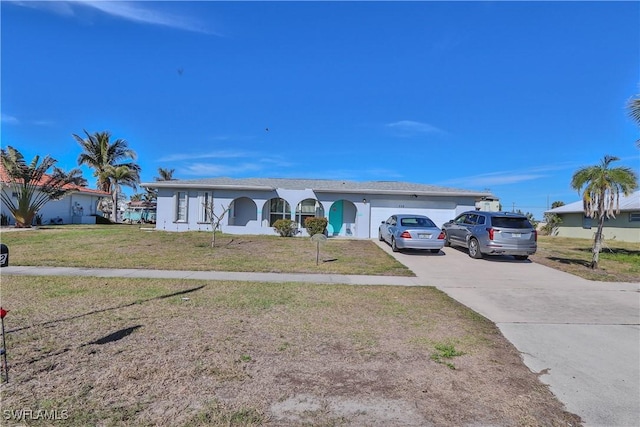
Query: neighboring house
x=625, y=226
x=77, y=207
x=488, y=204
x=353, y=209
x=140, y=212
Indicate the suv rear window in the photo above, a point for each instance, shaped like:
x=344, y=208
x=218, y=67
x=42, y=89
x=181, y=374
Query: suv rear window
x=510, y=222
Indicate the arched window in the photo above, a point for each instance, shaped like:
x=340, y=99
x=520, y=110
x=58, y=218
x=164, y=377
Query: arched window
x=308, y=208
x=278, y=209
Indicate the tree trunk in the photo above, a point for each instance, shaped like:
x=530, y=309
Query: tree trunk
x=114, y=214
x=597, y=243
x=23, y=221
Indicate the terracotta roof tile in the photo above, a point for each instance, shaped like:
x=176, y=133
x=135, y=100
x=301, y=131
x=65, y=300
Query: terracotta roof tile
x=4, y=177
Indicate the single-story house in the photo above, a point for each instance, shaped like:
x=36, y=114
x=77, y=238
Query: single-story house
x=353, y=209
x=625, y=226
x=78, y=207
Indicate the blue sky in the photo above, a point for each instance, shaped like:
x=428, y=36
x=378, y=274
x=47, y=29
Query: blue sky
x=507, y=96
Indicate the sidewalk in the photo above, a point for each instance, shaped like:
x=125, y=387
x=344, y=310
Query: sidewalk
x=214, y=275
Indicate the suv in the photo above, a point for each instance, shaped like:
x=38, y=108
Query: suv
x=492, y=233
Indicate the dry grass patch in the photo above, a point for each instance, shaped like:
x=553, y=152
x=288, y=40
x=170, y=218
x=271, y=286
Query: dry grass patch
x=619, y=261
x=127, y=246
x=191, y=353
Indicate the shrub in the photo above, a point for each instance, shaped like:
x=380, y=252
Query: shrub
x=315, y=225
x=286, y=227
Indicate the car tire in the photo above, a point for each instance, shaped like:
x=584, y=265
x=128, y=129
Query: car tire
x=474, y=248
x=380, y=236
x=447, y=243
x=394, y=247
x=521, y=257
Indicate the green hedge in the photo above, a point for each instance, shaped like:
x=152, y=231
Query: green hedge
x=315, y=225
x=286, y=227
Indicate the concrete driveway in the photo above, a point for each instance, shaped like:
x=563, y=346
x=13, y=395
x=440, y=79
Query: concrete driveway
x=583, y=337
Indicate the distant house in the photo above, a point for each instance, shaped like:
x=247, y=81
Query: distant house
x=140, y=212
x=353, y=209
x=488, y=204
x=625, y=226
x=78, y=207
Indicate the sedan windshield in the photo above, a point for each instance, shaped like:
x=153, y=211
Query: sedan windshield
x=416, y=222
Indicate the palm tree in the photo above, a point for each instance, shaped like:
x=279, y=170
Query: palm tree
x=32, y=185
x=119, y=176
x=165, y=174
x=602, y=188
x=99, y=152
x=634, y=111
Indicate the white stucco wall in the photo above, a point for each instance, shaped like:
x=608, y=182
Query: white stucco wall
x=63, y=209
x=362, y=214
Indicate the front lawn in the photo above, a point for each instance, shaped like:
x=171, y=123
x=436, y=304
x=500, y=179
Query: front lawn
x=140, y=352
x=619, y=261
x=129, y=246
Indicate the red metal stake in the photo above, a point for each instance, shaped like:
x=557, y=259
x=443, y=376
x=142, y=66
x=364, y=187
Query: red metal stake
x=5, y=366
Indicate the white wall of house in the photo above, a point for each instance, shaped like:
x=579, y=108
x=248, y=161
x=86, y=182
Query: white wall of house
x=625, y=227
x=349, y=214
x=74, y=208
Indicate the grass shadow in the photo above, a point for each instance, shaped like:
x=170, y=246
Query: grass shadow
x=64, y=319
x=570, y=261
x=116, y=336
x=614, y=251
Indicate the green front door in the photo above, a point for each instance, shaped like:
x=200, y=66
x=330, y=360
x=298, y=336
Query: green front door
x=335, y=217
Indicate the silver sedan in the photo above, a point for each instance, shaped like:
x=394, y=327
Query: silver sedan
x=411, y=232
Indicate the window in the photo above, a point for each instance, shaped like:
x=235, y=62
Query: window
x=278, y=209
x=471, y=219
x=308, y=208
x=634, y=217
x=417, y=222
x=510, y=222
x=181, y=206
x=586, y=222
x=205, y=206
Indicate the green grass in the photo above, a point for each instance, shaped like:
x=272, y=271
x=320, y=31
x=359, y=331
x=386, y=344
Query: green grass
x=618, y=261
x=216, y=337
x=126, y=246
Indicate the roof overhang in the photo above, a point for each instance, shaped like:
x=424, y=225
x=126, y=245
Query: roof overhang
x=200, y=186
x=177, y=184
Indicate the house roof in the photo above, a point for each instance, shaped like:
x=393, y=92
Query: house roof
x=4, y=177
x=318, y=185
x=627, y=203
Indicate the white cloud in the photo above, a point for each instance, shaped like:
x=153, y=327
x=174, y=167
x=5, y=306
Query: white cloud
x=211, y=169
x=10, y=120
x=511, y=177
x=410, y=128
x=211, y=155
x=495, y=178
x=140, y=11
